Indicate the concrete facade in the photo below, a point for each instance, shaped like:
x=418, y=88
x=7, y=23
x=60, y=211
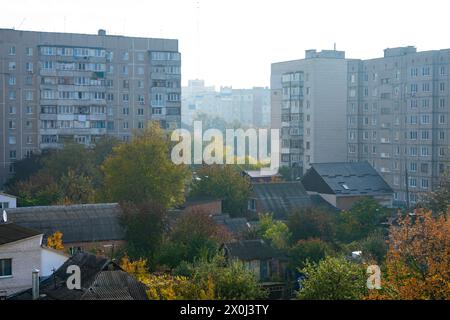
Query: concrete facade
x=308, y=100
x=398, y=118
x=57, y=87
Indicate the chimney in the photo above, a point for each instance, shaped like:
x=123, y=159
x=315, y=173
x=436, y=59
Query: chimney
x=35, y=283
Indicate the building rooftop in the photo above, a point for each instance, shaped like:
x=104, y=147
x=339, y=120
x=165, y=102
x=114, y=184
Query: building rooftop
x=101, y=279
x=78, y=223
x=11, y=232
x=280, y=198
x=248, y=250
x=345, y=178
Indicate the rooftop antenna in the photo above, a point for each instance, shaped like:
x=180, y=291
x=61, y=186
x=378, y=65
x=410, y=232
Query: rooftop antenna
x=335, y=46
x=20, y=25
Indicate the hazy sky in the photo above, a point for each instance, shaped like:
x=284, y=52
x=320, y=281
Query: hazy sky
x=239, y=39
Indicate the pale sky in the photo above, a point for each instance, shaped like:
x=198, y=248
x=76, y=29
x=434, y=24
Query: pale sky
x=239, y=39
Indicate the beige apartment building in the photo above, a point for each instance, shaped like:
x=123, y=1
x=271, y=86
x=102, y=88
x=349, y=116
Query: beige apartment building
x=57, y=87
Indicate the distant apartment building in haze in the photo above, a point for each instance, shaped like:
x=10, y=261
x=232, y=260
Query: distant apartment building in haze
x=57, y=87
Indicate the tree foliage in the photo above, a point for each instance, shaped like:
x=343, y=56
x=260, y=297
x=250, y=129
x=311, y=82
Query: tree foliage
x=418, y=260
x=55, y=241
x=304, y=251
x=333, y=279
x=223, y=182
x=305, y=223
x=142, y=171
x=276, y=232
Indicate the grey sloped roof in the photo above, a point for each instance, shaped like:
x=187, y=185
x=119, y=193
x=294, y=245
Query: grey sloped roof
x=78, y=223
x=236, y=226
x=280, y=198
x=248, y=250
x=11, y=232
x=101, y=279
x=351, y=178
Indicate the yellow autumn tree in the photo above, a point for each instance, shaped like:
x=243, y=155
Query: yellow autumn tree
x=165, y=286
x=418, y=260
x=55, y=241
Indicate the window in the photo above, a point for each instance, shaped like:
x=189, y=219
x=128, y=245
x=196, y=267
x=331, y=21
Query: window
x=252, y=204
x=413, y=167
x=12, y=51
x=424, y=183
x=125, y=56
x=425, y=119
x=424, y=151
x=29, y=95
x=12, y=140
x=441, y=119
x=12, y=66
x=5, y=267
x=441, y=135
x=29, y=66
x=412, y=182
x=156, y=110
x=414, y=72
x=12, y=80
x=442, y=86
x=125, y=70
x=12, y=95
x=29, y=51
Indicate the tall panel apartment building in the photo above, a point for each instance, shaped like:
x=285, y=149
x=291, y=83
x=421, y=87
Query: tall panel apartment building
x=398, y=117
x=309, y=103
x=57, y=87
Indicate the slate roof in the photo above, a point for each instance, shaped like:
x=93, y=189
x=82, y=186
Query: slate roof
x=247, y=250
x=280, y=198
x=237, y=226
x=11, y=232
x=78, y=223
x=101, y=279
x=345, y=178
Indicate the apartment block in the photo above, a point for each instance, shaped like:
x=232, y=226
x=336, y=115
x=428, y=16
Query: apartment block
x=398, y=118
x=249, y=107
x=309, y=102
x=57, y=87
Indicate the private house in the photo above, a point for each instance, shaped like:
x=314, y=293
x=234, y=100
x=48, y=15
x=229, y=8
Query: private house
x=280, y=198
x=7, y=201
x=258, y=176
x=257, y=255
x=84, y=227
x=212, y=206
x=237, y=227
x=21, y=252
x=341, y=184
x=101, y=279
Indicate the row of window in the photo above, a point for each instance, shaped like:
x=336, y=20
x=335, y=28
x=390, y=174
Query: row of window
x=73, y=52
x=412, y=151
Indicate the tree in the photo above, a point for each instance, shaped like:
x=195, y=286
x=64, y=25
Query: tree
x=439, y=200
x=144, y=227
x=305, y=223
x=232, y=281
x=76, y=189
x=363, y=218
x=418, y=260
x=55, y=241
x=24, y=169
x=333, y=279
x=193, y=236
x=276, y=232
x=311, y=250
x=39, y=190
x=223, y=182
x=142, y=171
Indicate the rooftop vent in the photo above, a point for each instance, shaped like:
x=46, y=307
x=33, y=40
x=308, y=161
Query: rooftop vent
x=102, y=32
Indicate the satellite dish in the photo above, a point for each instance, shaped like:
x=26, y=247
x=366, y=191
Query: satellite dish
x=5, y=216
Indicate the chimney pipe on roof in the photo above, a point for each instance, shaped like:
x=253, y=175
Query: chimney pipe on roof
x=35, y=283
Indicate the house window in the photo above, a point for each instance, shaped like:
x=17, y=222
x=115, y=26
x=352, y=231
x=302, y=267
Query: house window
x=4, y=205
x=5, y=267
x=252, y=205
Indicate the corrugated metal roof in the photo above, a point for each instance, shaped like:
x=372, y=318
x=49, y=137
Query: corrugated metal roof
x=78, y=223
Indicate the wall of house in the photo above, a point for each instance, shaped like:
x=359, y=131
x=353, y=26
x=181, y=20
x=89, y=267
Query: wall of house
x=51, y=260
x=26, y=256
x=12, y=202
x=346, y=202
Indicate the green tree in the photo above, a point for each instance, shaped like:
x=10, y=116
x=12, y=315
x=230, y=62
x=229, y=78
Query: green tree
x=232, y=281
x=362, y=219
x=276, y=232
x=333, y=279
x=305, y=223
x=142, y=171
x=439, y=200
x=39, y=190
x=223, y=182
x=144, y=228
x=76, y=189
x=311, y=250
